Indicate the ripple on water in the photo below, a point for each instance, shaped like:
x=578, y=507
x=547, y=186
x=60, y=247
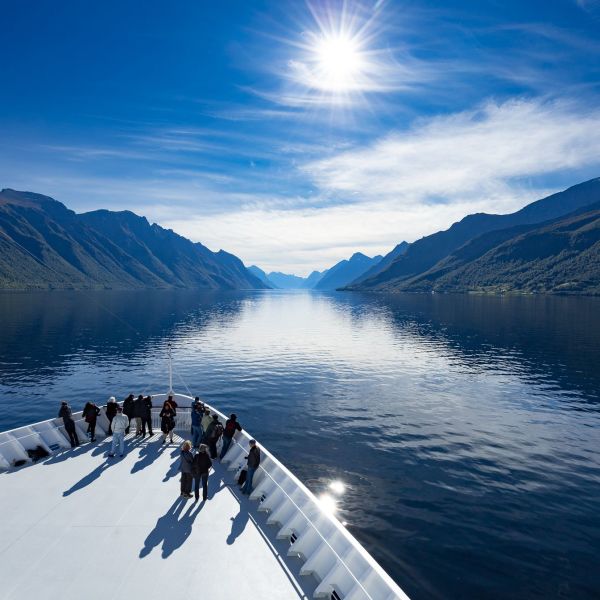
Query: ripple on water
x=465, y=430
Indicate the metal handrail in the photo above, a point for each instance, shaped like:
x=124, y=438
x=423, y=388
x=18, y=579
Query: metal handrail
x=341, y=560
x=187, y=412
x=311, y=498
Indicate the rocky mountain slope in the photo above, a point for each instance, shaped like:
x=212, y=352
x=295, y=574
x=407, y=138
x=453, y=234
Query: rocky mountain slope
x=44, y=245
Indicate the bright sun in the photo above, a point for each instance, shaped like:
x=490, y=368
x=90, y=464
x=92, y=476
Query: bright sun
x=339, y=63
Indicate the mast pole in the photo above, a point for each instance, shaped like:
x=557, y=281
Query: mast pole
x=170, y=369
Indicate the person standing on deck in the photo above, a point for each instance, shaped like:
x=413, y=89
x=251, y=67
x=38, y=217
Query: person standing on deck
x=253, y=459
x=120, y=424
x=197, y=403
x=167, y=421
x=138, y=413
x=231, y=426
x=66, y=414
x=111, y=411
x=128, y=410
x=90, y=414
x=185, y=467
x=213, y=432
x=200, y=468
x=147, y=416
x=197, y=413
x=206, y=421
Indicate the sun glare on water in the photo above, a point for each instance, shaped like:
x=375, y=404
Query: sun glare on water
x=327, y=503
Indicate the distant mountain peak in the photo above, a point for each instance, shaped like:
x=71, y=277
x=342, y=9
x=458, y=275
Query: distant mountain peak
x=10, y=196
x=346, y=271
x=123, y=215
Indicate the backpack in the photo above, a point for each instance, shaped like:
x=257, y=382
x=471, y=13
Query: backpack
x=229, y=428
x=217, y=432
x=242, y=477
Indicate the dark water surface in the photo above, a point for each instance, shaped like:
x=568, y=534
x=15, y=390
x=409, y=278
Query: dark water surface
x=466, y=429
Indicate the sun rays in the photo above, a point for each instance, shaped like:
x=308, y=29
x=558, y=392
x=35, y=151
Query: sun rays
x=336, y=59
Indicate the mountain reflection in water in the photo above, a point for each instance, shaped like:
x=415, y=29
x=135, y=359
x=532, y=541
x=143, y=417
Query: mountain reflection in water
x=465, y=429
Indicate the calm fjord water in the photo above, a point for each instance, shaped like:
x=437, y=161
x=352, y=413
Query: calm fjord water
x=466, y=429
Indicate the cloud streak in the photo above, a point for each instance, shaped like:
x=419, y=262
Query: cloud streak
x=466, y=156
x=406, y=184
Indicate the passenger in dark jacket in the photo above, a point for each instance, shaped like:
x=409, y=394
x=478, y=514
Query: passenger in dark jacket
x=200, y=468
x=147, y=416
x=128, y=410
x=66, y=414
x=185, y=467
x=90, y=414
x=212, y=434
x=253, y=459
x=111, y=411
x=138, y=413
x=195, y=404
x=197, y=414
x=231, y=426
x=167, y=420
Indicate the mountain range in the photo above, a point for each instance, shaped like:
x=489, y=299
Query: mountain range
x=341, y=274
x=346, y=271
x=551, y=245
x=44, y=245
x=283, y=281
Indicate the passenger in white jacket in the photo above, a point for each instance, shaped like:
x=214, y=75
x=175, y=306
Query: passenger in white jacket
x=119, y=425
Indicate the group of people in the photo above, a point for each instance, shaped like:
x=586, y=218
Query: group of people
x=138, y=410
x=197, y=454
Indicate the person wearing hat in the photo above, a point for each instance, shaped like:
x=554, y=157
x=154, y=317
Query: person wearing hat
x=200, y=468
x=231, y=426
x=66, y=414
x=253, y=459
x=111, y=411
x=212, y=435
x=120, y=423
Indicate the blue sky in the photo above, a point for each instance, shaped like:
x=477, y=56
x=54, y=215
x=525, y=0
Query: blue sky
x=294, y=134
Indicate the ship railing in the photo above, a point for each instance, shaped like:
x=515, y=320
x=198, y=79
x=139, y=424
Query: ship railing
x=343, y=567
x=328, y=550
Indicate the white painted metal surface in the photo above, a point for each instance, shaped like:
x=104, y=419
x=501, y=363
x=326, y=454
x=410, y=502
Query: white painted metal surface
x=82, y=521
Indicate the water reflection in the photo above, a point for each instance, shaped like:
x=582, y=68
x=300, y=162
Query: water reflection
x=464, y=429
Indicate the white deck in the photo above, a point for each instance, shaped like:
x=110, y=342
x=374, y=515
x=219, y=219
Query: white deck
x=81, y=525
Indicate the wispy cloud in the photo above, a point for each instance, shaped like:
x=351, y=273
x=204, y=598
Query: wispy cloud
x=403, y=185
x=469, y=155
